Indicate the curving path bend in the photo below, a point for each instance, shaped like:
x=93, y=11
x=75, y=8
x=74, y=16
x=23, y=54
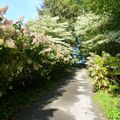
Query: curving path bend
x=72, y=100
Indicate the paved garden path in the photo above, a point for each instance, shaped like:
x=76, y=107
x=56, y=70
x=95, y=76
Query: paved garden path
x=72, y=100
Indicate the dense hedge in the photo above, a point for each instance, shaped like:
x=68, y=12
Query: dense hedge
x=27, y=58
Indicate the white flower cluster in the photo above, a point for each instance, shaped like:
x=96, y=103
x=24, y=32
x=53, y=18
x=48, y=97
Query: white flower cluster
x=52, y=27
x=88, y=25
x=89, y=22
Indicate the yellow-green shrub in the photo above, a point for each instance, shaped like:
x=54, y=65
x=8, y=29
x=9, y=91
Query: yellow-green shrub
x=105, y=71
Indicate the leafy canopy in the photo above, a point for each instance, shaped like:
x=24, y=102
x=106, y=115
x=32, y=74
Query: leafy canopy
x=65, y=9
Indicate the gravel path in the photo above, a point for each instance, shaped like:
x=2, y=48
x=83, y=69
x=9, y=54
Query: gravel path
x=72, y=100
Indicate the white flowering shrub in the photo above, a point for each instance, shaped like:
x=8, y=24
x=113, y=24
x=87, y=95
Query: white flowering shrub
x=89, y=22
x=52, y=27
x=111, y=36
x=96, y=35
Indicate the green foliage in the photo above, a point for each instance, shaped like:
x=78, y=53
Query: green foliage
x=109, y=105
x=101, y=6
x=105, y=72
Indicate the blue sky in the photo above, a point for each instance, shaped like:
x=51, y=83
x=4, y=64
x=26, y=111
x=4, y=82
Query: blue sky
x=17, y=8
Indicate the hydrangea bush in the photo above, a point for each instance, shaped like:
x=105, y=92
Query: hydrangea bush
x=27, y=57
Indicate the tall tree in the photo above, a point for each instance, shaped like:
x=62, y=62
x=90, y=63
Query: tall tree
x=65, y=9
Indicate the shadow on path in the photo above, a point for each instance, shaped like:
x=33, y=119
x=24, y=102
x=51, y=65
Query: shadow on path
x=55, y=105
